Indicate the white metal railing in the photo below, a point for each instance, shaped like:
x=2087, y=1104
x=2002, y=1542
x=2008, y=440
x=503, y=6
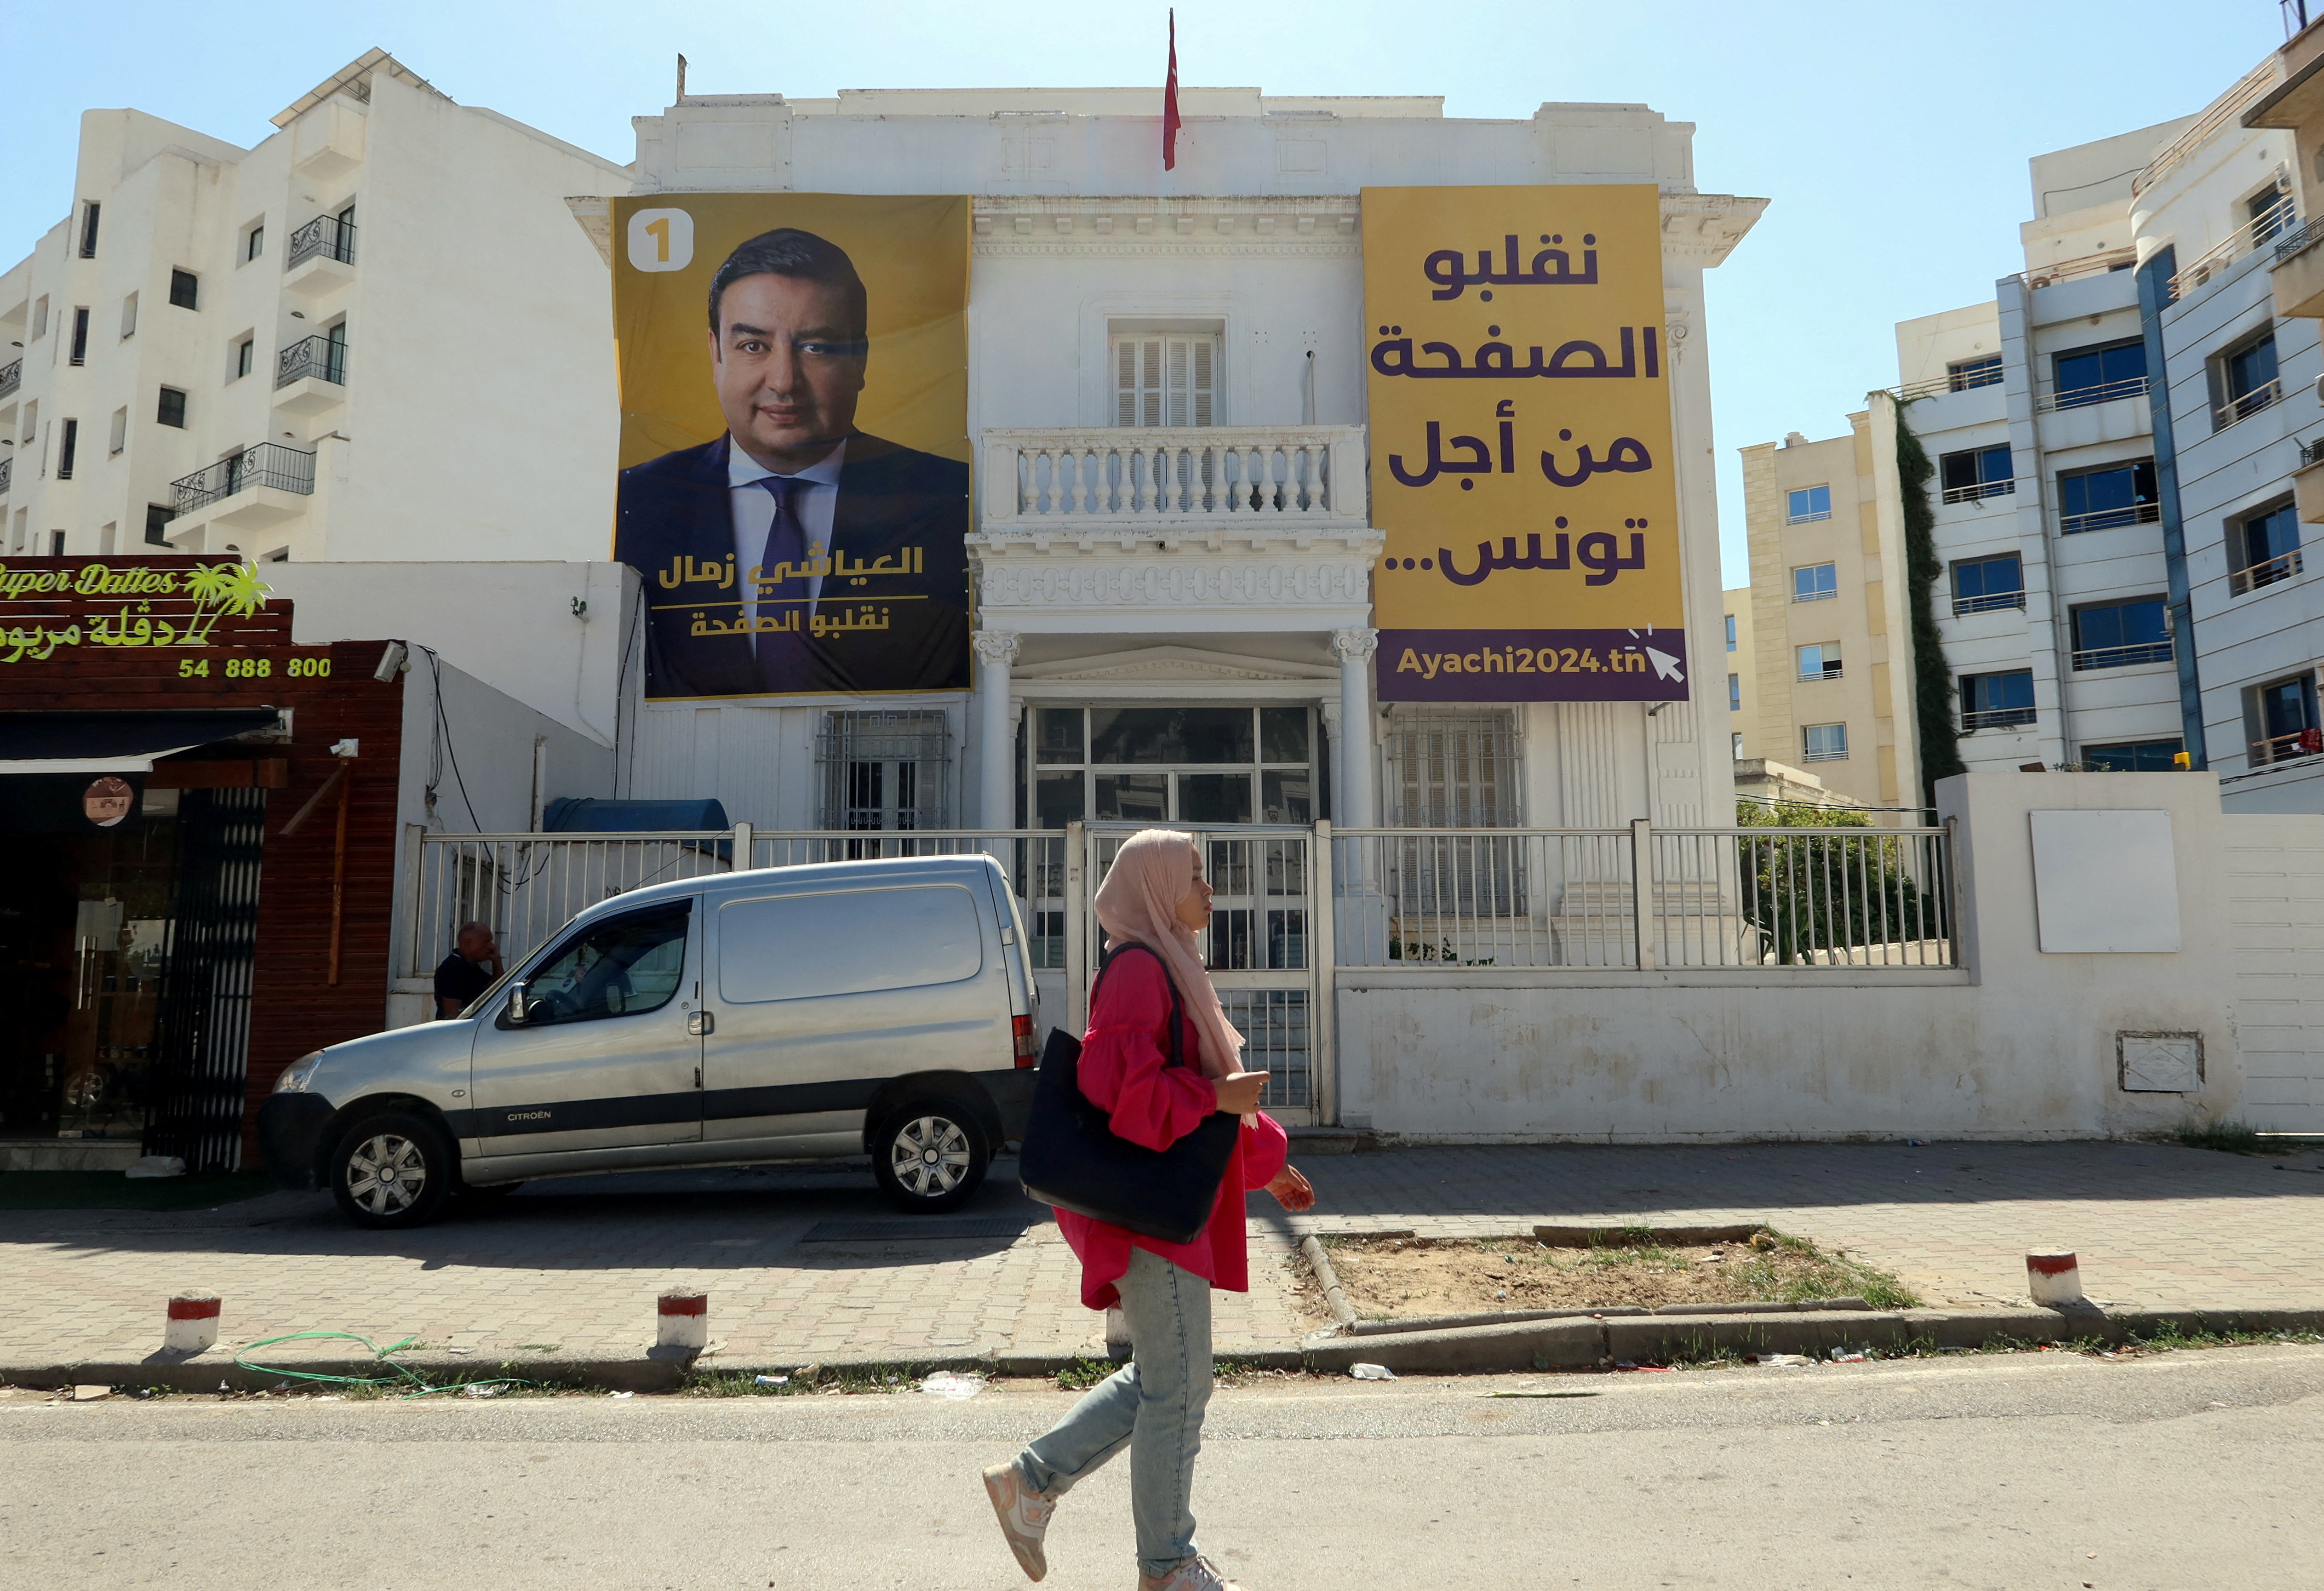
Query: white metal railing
x=2286, y=747
x=2226, y=108
x=2099, y=392
x=1997, y=717
x=1978, y=491
x=1991, y=602
x=2244, y=405
x=1414, y=899
x=1226, y=476
x=526, y=887
x=2111, y=519
x=2082, y=265
x=2263, y=228
x=2122, y=657
x=2283, y=566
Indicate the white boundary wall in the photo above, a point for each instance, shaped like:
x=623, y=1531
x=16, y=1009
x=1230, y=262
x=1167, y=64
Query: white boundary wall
x=2017, y=1045
x=2276, y=884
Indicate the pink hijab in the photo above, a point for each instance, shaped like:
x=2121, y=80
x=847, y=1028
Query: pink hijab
x=1139, y=900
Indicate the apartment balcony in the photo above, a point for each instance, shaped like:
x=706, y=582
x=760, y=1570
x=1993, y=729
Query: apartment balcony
x=1224, y=528
x=2297, y=276
x=1997, y=718
x=321, y=257
x=2084, y=397
x=12, y=376
x=1979, y=491
x=7, y=469
x=2122, y=657
x=1992, y=601
x=2307, y=482
x=2289, y=747
x=2110, y=519
x=310, y=377
x=2245, y=581
x=2244, y=405
x=248, y=490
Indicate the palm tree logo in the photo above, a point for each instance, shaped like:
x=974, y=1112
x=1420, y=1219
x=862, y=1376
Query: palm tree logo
x=220, y=589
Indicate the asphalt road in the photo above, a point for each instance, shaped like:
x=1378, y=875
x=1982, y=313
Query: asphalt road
x=2187, y=1469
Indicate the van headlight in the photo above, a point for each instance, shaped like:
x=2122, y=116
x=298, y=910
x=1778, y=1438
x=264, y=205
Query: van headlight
x=298, y=1074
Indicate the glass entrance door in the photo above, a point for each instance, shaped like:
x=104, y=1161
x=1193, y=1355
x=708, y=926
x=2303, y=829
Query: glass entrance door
x=1197, y=765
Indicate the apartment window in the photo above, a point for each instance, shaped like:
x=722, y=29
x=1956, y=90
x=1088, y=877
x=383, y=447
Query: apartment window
x=18, y=543
x=2108, y=497
x=884, y=769
x=120, y=437
x=2282, y=719
x=1821, y=661
x=2133, y=757
x=185, y=290
x=1814, y=582
x=1996, y=701
x=1737, y=740
x=158, y=516
x=2263, y=548
x=56, y=544
x=79, y=353
x=129, y=317
x=1734, y=693
x=1807, y=503
x=32, y=419
x=253, y=242
x=2244, y=380
x=1165, y=379
x=67, y=446
x=1824, y=742
x=40, y=317
x=171, y=410
x=88, y=230
x=1980, y=586
x=1730, y=632
x=1977, y=472
x=1962, y=374
x=245, y=356
x=1201, y=765
x=105, y=538
x=2270, y=210
x=2117, y=634
x=2094, y=375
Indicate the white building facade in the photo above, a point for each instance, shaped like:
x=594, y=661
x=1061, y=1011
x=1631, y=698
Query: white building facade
x=1248, y=254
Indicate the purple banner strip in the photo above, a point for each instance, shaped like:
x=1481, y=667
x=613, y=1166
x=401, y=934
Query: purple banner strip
x=1532, y=665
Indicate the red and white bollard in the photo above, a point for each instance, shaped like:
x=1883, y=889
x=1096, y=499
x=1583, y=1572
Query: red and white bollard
x=683, y=1321
x=2053, y=1281
x=192, y=1327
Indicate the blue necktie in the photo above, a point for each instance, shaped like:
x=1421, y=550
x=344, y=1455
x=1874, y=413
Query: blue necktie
x=783, y=655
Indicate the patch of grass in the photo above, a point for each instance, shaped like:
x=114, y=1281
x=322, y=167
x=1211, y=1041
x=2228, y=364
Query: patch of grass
x=808, y=1378
x=89, y=1190
x=2227, y=1137
x=1084, y=1374
x=1814, y=1274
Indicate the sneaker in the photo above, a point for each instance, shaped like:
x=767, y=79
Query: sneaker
x=1024, y=1517
x=1196, y=1574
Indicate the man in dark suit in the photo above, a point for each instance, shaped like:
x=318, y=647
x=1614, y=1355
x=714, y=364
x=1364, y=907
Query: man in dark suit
x=796, y=554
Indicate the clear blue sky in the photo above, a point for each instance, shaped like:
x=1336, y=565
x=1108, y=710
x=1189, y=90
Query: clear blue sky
x=1892, y=139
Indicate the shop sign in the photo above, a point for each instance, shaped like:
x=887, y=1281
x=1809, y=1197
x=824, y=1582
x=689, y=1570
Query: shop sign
x=107, y=801
x=1523, y=469
x=53, y=607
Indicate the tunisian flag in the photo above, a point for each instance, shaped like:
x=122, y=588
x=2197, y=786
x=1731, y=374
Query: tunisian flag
x=1170, y=103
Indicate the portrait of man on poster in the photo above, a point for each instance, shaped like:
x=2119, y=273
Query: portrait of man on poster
x=796, y=554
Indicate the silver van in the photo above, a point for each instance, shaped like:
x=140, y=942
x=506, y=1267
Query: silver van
x=784, y=1014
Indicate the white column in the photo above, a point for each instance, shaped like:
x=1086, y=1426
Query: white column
x=996, y=733
x=1353, y=756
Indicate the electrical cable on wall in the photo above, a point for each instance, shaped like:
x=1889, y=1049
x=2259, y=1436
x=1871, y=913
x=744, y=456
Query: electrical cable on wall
x=444, y=739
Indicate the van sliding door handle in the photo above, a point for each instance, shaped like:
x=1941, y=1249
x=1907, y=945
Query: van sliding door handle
x=700, y=1023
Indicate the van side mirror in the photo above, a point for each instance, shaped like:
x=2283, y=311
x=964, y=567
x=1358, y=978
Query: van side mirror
x=516, y=1009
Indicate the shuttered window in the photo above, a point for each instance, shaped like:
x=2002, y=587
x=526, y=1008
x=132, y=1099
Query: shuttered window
x=1165, y=380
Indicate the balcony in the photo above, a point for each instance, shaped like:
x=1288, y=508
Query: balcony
x=2244, y=582
x=2122, y=657
x=7, y=469
x=2100, y=265
x=2244, y=405
x=2110, y=519
x=249, y=490
x=1981, y=491
x=2307, y=482
x=12, y=376
x=310, y=376
x=1997, y=718
x=2270, y=226
x=321, y=257
x=1226, y=527
x=2297, y=277
x=2288, y=748
x=1992, y=601
x=2103, y=392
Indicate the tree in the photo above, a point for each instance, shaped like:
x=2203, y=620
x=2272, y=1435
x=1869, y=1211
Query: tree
x=1821, y=890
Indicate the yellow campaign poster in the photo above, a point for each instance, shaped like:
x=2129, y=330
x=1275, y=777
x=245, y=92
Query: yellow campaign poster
x=794, y=451
x=1520, y=434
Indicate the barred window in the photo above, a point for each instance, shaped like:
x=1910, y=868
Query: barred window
x=1453, y=770
x=884, y=769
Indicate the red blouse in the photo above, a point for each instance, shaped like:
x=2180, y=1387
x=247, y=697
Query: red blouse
x=1125, y=1070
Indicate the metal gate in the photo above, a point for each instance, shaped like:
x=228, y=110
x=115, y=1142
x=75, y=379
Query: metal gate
x=201, y=1053
x=1268, y=947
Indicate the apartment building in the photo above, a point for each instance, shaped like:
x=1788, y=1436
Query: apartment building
x=372, y=335
x=1742, y=673
x=1830, y=653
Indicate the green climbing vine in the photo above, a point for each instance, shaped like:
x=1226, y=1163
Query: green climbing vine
x=1932, y=686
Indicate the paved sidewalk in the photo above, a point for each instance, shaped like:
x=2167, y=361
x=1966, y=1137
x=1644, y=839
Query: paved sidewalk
x=576, y=1266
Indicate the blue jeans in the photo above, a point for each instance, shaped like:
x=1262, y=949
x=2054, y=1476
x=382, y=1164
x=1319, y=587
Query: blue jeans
x=1154, y=1404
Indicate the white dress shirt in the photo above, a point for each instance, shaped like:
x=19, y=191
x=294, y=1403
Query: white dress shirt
x=814, y=501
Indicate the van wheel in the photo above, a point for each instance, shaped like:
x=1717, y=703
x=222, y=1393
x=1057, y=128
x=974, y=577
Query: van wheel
x=394, y=1169
x=929, y=1156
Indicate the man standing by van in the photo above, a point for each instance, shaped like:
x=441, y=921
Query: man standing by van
x=468, y=972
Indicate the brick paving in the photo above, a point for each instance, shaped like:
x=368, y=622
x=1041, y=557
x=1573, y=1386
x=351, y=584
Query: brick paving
x=576, y=1266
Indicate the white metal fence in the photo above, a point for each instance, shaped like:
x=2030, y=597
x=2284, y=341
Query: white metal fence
x=1399, y=898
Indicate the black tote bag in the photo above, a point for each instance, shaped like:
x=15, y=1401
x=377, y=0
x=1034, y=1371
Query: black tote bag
x=1073, y=1159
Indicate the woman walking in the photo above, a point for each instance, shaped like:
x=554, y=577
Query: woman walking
x=1154, y=897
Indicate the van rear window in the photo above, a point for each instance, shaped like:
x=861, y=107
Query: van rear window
x=792, y=947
